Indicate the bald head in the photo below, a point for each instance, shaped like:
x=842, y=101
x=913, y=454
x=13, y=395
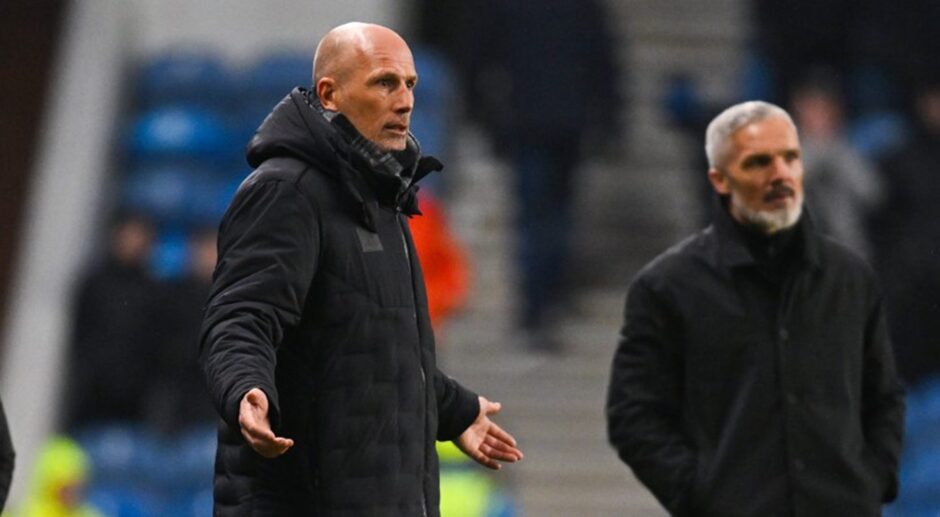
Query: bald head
x=367, y=73
x=341, y=47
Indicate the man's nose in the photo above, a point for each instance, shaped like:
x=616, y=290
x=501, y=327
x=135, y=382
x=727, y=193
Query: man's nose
x=404, y=101
x=782, y=168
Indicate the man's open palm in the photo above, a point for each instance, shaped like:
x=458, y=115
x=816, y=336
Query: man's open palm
x=256, y=428
x=486, y=442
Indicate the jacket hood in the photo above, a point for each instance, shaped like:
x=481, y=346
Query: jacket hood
x=300, y=128
x=294, y=128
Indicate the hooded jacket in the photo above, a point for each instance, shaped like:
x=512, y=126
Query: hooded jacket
x=318, y=299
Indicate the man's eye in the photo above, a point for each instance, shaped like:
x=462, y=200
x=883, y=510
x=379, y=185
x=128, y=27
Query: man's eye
x=410, y=84
x=387, y=83
x=757, y=161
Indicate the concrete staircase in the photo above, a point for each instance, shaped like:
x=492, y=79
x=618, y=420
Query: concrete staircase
x=629, y=212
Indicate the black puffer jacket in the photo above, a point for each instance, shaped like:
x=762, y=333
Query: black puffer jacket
x=318, y=299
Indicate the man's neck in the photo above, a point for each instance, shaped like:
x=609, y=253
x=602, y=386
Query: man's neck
x=770, y=247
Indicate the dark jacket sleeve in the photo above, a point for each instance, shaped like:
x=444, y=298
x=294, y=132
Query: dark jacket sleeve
x=457, y=407
x=7, y=457
x=268, y=248
x=882, y=400
x=644, y=401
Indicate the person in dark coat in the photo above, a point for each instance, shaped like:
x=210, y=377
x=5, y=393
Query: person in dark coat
x=908, y=233
x=115, y=340
x=316, y=341
x=181, y=401
x=754, y=374
x=528, y=58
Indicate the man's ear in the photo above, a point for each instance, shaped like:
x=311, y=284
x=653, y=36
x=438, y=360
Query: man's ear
x=719, y=181
x=326, y=91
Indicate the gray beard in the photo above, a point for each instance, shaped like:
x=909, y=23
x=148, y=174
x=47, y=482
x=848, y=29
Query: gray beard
x=772, y=221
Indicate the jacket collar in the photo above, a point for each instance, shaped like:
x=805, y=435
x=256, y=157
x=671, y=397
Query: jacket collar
x=731, y=250
x=392, y=176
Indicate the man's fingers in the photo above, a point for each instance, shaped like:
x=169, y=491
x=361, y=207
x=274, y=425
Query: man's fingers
x=268, y=447
x=499, y=454
x=278, y=446
x=486, y=460
x=497, y=432
x=490, y=407
x=504, y=448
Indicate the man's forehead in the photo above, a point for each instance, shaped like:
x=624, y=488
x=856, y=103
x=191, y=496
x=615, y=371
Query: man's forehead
x=384, y=61
x=770, y=133
x=381, y=49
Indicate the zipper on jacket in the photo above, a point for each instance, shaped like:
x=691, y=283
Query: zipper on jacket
x=414, y=315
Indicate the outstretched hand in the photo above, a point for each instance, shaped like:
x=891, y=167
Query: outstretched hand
x=256, y=428
x=486, y=442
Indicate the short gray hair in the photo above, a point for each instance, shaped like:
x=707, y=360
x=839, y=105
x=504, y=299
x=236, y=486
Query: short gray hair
x=730, y=120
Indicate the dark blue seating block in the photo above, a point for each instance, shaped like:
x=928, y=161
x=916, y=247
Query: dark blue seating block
x=432, y=121
x=123, y=501
x=275, y=74
x=180, y=195
x=197, y=77
x=175, y=133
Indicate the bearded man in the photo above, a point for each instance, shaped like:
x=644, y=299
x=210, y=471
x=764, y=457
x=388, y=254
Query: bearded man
x=754, y=376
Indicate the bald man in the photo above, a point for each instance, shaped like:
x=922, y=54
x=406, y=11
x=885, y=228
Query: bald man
x=316, y=341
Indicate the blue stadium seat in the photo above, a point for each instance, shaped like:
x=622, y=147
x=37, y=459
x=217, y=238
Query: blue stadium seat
x=123, y=501
x=920, y=477
x=757, y=78
x=170, y=256
x=181, y=133
x=275, y=74
x=682, y=101
x=432, y=122
x=192, y=504
x=266, y=82
x=196, y=77
x=210, y=198
x=870, y=88
x=161, y=193
x=920, y=459
x=190, y=461
x=177, y=194
x=875, y=134
x=118, y=451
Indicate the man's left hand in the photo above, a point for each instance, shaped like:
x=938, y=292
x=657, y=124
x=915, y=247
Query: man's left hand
x=486, y=442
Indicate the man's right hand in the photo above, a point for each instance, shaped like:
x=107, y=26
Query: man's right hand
x=255, y=427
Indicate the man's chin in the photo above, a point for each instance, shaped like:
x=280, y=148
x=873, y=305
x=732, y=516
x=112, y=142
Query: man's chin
x=773, y=220
x=392, y=145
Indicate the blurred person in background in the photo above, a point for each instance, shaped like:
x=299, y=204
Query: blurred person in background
x=843, y=189
x=796, y=36
x=545, y=83
x=59, y=478
x=443, y=260
x=7, y=458
x=116, y=326
x=179, y=399
x=908, y=233
x=316, y=341
x=754, y=375
x=467, y=490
